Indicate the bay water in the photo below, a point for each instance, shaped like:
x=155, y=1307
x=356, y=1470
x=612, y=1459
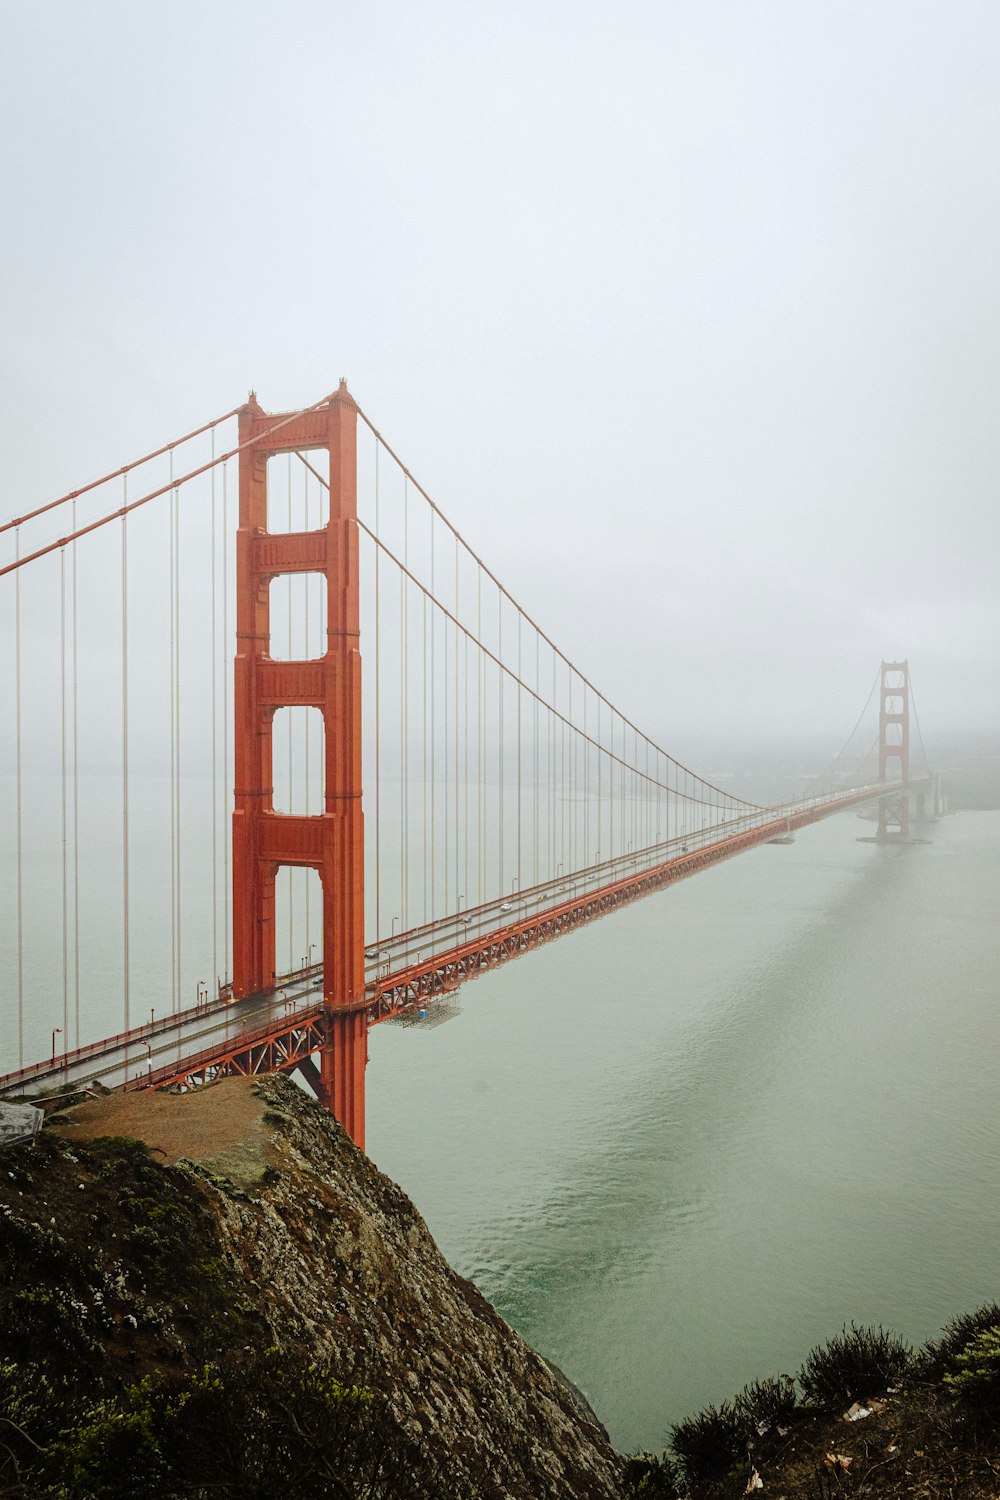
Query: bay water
x=685, y=1144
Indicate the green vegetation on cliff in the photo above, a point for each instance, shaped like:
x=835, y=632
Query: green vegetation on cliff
x=866, y=1415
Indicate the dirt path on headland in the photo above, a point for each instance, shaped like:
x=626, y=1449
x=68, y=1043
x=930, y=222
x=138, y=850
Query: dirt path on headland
x=220, y=1126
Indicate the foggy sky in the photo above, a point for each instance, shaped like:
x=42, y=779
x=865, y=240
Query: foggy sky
x=685, y=313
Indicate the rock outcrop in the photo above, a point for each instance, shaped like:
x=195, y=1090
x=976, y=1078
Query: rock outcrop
x=316, y=1252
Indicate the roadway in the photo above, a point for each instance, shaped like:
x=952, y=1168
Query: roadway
x=165, y=1045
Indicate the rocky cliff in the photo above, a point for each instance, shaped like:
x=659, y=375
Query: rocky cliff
x=251, y=1222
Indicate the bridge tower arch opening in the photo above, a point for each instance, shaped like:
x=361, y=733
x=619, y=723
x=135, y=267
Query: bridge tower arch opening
x=894, y=748
x=330, y=842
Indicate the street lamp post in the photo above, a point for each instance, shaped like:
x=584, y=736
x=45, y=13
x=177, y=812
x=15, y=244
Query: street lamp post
x=56, y=1031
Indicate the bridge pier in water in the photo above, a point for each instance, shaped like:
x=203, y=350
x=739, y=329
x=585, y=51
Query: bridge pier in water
x=331, y=842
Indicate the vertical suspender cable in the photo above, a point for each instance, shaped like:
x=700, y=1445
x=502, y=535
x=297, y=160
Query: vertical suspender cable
x=600, y=783
x=406, y=704
x=647, y=830
x=173, y=748
x=426, y=882
x=307, y=736
x=446, y=746
x=291, y=761
x=465, y=762
x=633, y=784
x=17, y=801
x=215, y=753
x=458, y=783
x=563, y=786
x=480, y=738
x=572, y=746
x=125, y=839
x=622, y=821
x=225, y=714
x=177, y=721
x=561, y=782
x=563, y=792
x=62, y=743
x=661, y=798
x=378, y=736
x=519, y=670
x=76, y=812
x=534, y=829
x=560, y=771
x=433, y=743
x=610, y=851
x=556, y=733
x=500, y=736
x=586, y=782
x=553, y=776
x=404, y=757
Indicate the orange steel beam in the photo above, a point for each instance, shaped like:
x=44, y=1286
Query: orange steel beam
x=272, y=1049
x=331, y=842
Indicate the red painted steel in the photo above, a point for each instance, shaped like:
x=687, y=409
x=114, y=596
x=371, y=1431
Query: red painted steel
x=332, y=842
x=271, y=1049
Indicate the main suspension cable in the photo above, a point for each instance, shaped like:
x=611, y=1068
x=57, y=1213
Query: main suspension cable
x=117, y=473
x=506, y=671
x=916, y=720
x=164, y=489
x=506, y=592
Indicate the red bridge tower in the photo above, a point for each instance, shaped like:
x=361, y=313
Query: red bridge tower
x=331, y=842
x=894, y=748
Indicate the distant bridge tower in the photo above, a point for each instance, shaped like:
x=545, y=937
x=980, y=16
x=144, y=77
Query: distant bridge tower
x=894, y=748
x=331, y=842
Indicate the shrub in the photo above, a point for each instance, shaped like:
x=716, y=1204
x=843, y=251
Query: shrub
x=711, y=1444
x=112, y=1453
x=854, y=1365
x=974, y=1379
x=938, y=1355
x=648, y=1477
x=767, y=1404
x=264, y=1425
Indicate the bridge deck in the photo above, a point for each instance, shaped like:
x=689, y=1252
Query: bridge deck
x=282, y=1028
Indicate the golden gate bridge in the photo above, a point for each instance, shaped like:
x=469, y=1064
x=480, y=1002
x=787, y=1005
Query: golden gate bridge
x=231, y=851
